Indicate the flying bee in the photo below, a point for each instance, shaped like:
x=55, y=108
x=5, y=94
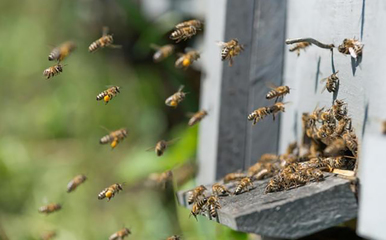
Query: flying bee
x=61, y=52
x=197, y=117
x=198, y=207
x=108, y=94
x=162, y=52
x=120, y=235
x=194, y=22
x=234, y=177
x=332, y=82
x=302, y=45
x=213, y=205
x=230, y=50
x=196, y=193
x=48, y=236
x=50, y=208
x=174, y=237
x=53, y=71
x=110, y=191
x=183, y=33
x=259, y=114
x=351, y=141
x=220, y=190
x=336, y=147
x=187, y=59
x=76, y=182
x=244, y=185
x=105, y=41
x=277, y=92
x=176, y=98
x=276, y=108
x=161, y=146
x=352, y=47
x=114, y=137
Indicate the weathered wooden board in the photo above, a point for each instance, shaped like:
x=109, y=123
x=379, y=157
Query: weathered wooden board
x=288, y=214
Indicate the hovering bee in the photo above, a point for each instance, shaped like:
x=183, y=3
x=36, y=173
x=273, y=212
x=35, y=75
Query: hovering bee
x=331, y=82
x=187, y=59
x=120, y=235
x=197, y=117
x=174, y=237
x=105, y=41
x=162, y=178
x=302, y=45
x=61, y=52
x=230, y=49
x=186, y=30
x=234, y=177
x=108, y=94
x=53, y=71
x=161, y=146
x=76, y=182
x=176, y=98
x=50, y=208
x=259, y=114
x=48, y=236
x=276, y=108
x=352, y=47
x=195, y=23
x=277, y=92
x=110, y=191
x=198, y=207
x=114, y=137
x=196, y=193
x=244, y=184
x=220, y=190
x=213, y=205
x=162, y=52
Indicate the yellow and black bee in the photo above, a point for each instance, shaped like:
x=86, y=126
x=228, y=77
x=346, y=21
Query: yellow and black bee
x=332, y=82
x=53, y=71
x=194, y=22
x=110, y=191
x=161, y=146
x=186, y=30
x=50, y=208
x=244, y=185
x=108, y=94
x=230, y=49
x=176, y=98
x=162, y=52
x=351, y=46
x=187, y=59
x=277, y=91
x=121, y=234
x=105, y=41
x=197, y=117
x=302, y=45
x=76, y=182
x=114, y=137
x=61, y=52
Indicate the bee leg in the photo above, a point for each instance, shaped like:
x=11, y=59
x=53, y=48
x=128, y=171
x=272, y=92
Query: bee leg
x=230, y=61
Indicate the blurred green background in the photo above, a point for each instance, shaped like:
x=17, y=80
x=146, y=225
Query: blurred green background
x=50, y=128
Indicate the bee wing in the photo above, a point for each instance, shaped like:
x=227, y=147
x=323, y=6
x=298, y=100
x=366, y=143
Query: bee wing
x=115, y=46
x=150, y=149
x=181, y=87
x=190, y=114
x=172, y=141
x=271, y=85
x=323, y=80
x=352, y=52
x=103, y=127
x=220, y=44
x=105, y=31
x=324, y=89
x=154, y=46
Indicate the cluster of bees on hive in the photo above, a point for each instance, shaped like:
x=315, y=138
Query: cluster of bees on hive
x=182, y=32
x=329, y=145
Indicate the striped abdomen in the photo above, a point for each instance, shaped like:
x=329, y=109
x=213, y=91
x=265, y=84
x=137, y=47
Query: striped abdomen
x=50, y=208
x=52, y=71
x=160, y=147
x=183, y=33
x=224, y=53
x=163, y=53
x=116, y=135
x=101, y=43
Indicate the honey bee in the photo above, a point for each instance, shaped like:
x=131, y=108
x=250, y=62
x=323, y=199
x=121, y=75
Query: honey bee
x=61, y=52
x=327, y=116
x=105, y=41
x=213, y=205
x=160, y=147
x=196, y=193
x=187, y=59
x=291, y=148
x=331, y=82
x=76, y=182
x=50, y=208
x=340, y=162
x=120, y=235
x=244, y=185
x=234, y=177
x=48, y=236
x=220, y=190
x=230, y=49
x=197, y=117
x=174, y=237
x=336, y=147
x=268, y=157
x=277, y=92
x=108, y=94
x=384, y=127
x=198, y=207
x=110, y=191
x=352, y=47
x=186, y=30
x=161, y=53
x=195, y=23
x=339, y=109
x=302, y=45
x=276, y=108
x=259, y=114
x=276, y=184
x=314, y=174
x=176, y=98
x=53, y=71
x=114, y=137
x=351, y=141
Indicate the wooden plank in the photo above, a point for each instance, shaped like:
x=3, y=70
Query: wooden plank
x=267, y=62
x=289, y=214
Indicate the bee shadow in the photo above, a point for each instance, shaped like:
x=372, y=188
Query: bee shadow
x=355, y=63
x=317, y=75
x=365, y=117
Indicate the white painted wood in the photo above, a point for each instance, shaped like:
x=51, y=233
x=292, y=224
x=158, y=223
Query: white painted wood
x=210, y=90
